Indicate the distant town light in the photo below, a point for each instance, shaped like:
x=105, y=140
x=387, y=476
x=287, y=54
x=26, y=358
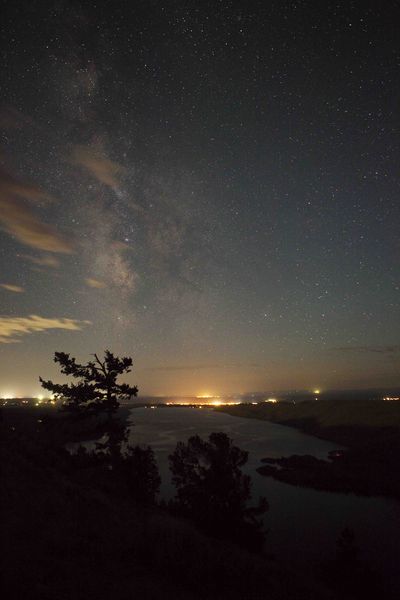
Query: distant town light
x=317, y=392
x=271, y=400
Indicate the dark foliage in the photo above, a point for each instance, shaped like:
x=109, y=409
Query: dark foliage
x=128, y=470
x=142, y=474
x=132, y=474
x=97, y=389
x=212, y=489
x=347, y=574
x=115, y=437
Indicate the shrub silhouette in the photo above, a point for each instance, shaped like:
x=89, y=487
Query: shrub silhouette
x=212, y=489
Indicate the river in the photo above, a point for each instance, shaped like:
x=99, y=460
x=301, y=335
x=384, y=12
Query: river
x=303, y=524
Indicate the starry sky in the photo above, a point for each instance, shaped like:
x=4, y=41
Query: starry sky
x=209, y=187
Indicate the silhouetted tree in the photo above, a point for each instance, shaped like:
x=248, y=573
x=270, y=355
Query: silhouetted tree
x=119, y=466
x=97, y=390
x=212, y=489
x=112, y=445
x=142, y=474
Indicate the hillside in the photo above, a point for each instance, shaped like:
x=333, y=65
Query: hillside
x=347, y=422
x=66, y=536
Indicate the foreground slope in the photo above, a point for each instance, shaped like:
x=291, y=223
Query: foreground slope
x=67, y=537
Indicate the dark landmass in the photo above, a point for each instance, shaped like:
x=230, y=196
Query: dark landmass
x=71, y=535
x=370, y=431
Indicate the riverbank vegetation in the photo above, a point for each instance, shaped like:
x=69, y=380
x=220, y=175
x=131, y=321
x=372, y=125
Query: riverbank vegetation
x=369, y=430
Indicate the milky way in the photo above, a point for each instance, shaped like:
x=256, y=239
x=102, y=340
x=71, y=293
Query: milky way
x=210, y=187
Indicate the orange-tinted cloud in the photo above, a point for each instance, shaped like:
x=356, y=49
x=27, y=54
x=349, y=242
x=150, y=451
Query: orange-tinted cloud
x=10, y=287
x=95, y=283
x=11, y=186
x=12, y=328
x=43, y=261
x=19, y=221
x=104, y=170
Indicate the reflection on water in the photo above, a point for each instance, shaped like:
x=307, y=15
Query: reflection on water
x=303, y=524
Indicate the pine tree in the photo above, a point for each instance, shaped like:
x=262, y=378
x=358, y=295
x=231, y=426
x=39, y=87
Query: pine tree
x=97, y=390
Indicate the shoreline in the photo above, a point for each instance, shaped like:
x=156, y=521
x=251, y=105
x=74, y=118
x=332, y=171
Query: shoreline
x=368, y=466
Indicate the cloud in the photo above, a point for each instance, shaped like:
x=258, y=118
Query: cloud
x=18, y=220
x=11, y=328
x=12, y=288
x=42, y=261
x=9, y=185
x=366, y=349
x=95, y=283
x=104, y=170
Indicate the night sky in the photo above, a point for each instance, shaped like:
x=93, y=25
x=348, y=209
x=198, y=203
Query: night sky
x=210, y=187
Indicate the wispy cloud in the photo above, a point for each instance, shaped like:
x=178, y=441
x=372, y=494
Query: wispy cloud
x=12, y=288
x=95, y=283
x=42, y=261
x=9, y=185
x=99, y=166
x=19, y=221
x=367, y=349
x=12, y=328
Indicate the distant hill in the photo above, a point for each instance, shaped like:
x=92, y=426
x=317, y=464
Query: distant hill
x=321, y=416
